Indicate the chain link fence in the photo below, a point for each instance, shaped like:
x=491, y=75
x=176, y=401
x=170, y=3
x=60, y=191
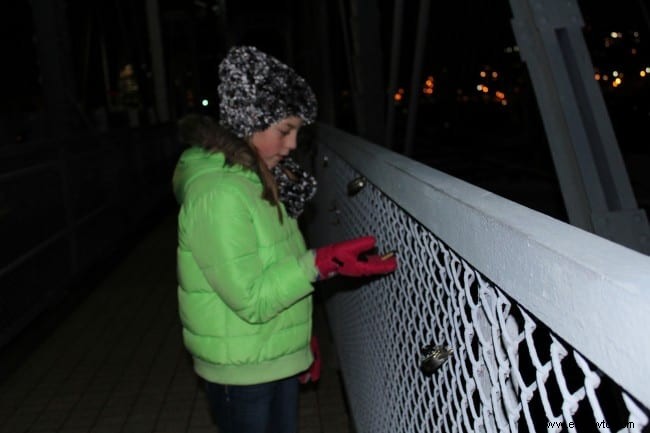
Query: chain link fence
x=507, y=370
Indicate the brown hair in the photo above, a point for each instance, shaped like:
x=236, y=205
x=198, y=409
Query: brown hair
x=203, y=131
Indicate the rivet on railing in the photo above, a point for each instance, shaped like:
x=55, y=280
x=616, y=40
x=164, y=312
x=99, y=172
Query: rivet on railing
x=356, y=185
x=433, y=358
x=334, y=208
x=326, y=161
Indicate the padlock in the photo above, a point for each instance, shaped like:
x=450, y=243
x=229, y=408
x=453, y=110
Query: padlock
x=433, y=357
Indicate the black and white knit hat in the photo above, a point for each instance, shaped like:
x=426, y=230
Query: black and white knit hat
x=257, y=90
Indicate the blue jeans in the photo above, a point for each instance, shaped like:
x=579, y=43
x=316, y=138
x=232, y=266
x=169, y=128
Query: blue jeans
x=265, y=408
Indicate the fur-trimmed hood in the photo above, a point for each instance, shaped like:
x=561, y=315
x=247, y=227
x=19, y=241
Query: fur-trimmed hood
x=205, y=132
x=196, y=162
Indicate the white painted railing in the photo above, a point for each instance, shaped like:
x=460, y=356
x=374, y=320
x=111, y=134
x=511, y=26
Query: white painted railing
x=548, y=323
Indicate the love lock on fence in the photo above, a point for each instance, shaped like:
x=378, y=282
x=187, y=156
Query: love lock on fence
x=433, y=357
x=356, y=185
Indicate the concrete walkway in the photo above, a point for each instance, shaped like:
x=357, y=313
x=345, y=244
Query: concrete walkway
x=116, y=363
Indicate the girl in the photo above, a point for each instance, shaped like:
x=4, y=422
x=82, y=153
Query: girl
x=245, y=274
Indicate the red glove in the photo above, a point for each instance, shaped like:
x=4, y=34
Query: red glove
x=313, y=374
x=343, y=258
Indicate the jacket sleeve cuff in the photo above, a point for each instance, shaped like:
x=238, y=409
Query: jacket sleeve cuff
x=308, y=264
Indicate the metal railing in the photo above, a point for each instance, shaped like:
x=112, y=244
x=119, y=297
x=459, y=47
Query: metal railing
x=546, y=323
x=66, y=205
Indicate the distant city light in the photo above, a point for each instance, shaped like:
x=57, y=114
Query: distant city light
x=495, y=74
x=617, y=82
x=642, y=74
x=399, y=95
x=615, y=73
x=616, y=35
x=205, y=102
x=597, y=76
x=483, y=74
x=501, y=97
x=428, y=86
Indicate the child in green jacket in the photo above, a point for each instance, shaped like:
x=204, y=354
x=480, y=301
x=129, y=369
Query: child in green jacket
x=244, y=272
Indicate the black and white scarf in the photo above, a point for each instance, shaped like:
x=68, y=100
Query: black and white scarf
x=295, y=186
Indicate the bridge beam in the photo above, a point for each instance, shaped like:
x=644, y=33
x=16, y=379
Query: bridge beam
x=593, y=178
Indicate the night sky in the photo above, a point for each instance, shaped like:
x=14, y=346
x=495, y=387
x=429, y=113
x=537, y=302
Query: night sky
x=463, y=39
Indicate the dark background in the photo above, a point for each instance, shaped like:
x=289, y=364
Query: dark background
x=459, y=130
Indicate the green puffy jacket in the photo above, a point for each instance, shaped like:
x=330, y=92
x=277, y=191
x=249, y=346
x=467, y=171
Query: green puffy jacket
x=244, y=279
